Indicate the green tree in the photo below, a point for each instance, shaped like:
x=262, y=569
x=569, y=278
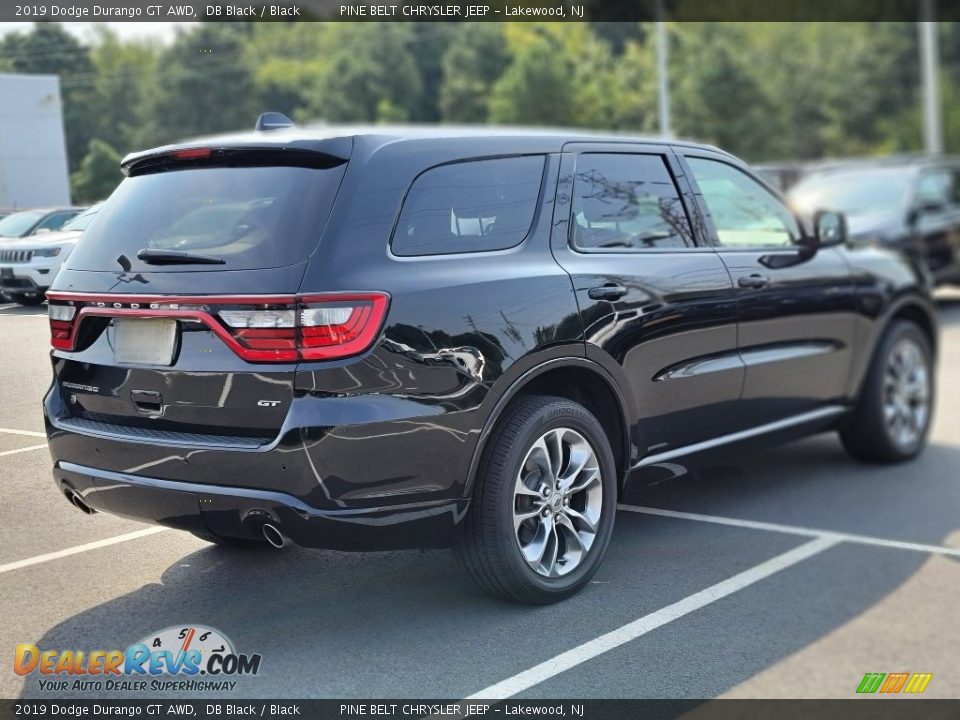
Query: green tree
x=537, y=88
x=428, y=46
x=370, y=75
x=99, y=173
x=716, y=96
x=475, y=58
x=123, y=71
x=201, y=85
x=286, y=60
x=48, y=49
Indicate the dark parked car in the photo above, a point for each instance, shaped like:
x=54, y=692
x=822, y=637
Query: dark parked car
x=421, y=338
x=908, y=203
x=30, y=222
x=782, y=176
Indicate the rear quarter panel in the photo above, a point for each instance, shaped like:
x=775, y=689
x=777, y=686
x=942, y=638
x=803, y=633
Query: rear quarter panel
x=460, y=328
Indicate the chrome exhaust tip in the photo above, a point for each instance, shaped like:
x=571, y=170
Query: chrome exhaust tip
x=78, y=503
x=273, y=535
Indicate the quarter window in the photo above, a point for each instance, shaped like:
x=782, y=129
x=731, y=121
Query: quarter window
x=624, y=202
x=470, y=207
x=745, y=214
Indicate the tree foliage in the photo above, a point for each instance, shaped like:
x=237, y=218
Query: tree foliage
x=766, y=91
x=99, y=173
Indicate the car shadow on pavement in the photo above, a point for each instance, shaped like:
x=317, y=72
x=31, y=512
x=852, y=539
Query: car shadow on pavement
x=409, y=624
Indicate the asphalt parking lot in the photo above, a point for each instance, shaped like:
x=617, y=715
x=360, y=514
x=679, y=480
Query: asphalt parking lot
x=789, y=574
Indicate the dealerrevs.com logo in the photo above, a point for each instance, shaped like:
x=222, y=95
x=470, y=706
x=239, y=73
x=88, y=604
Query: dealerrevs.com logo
x=184, y=658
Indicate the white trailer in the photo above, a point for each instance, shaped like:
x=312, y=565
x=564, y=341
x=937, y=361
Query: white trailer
x=33, y=151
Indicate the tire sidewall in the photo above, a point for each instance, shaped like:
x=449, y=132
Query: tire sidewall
x=898, y=332
x=562, y=414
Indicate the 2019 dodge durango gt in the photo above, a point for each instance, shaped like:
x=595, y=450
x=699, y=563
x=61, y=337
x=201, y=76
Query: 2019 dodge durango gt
x=419, y=338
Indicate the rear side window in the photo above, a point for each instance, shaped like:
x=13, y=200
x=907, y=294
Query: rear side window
x=470, y=207
x=248, y=217
x=625, y=202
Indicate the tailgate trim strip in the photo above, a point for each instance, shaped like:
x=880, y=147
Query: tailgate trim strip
x=129, y=433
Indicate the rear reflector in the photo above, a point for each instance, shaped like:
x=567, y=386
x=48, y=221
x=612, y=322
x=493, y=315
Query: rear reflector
x=257, y=328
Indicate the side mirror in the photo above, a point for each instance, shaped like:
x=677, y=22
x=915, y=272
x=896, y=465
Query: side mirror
x=829, y=228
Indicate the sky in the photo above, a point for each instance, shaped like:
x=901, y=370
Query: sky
x=127, y=30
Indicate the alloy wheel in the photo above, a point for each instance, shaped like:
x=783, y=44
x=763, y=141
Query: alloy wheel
x=906, y=393
x=557, y=504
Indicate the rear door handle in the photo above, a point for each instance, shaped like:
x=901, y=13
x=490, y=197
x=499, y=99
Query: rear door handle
x=753, y=281
x=607, y=292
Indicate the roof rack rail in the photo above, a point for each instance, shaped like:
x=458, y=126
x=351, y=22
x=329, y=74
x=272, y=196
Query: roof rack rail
x=273, y=121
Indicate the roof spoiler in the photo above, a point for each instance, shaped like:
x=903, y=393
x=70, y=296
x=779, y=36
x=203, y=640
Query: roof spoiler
x=272, y=121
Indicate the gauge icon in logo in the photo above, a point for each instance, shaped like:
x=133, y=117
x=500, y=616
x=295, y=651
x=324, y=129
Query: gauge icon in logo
x=181, y=639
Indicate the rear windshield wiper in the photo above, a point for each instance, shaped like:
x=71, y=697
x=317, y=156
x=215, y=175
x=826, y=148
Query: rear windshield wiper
x=154, y=256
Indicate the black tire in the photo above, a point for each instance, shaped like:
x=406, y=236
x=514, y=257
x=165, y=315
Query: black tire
x=488, y=546
x=28, y=300
x=866, y=435
x=230, y=542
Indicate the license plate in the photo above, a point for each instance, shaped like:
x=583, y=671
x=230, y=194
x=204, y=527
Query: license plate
x=144, y=341
x=6, y=273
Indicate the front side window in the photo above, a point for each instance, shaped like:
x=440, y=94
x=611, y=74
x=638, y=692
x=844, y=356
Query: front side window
x=470, y=207
x=625, y=202
x=745, y=214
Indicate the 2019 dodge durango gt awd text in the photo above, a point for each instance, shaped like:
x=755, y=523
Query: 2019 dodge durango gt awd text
x=385, y=339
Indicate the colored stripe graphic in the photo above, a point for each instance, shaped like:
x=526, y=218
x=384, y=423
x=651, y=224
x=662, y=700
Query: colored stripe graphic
x=871, y=682
x=918, y=682
x=893, y=683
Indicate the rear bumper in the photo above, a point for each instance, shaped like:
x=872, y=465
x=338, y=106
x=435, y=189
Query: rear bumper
x=241, y=512
x=362, y=486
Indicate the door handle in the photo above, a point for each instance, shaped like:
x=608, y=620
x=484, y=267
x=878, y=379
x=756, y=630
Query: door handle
x=607, y=292
x=753, y=281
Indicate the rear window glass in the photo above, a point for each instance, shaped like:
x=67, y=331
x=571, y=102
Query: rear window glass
x=470, y=207
x=625, y=202
x=248, y=217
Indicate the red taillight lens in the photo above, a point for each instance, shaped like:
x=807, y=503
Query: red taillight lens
x=338, y=326
x=61, y=325
x=258, y=329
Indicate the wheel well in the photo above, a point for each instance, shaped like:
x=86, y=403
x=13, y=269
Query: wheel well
x=590, y=389
x=921, y=317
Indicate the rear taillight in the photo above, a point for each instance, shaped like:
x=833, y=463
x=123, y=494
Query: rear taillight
x=258, y=329
x=61, y=325
x=333, y=327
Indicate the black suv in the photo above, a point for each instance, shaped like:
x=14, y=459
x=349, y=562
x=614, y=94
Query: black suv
x=907, y=203
x=420, y=338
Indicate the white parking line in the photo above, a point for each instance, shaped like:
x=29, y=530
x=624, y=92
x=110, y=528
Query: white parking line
x=631, y=631
x=77, y=549
x=795, y=530
x=28, y=433
x=23, y=449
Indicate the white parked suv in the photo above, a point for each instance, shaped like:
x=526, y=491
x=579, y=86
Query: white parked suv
x=28, y=265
